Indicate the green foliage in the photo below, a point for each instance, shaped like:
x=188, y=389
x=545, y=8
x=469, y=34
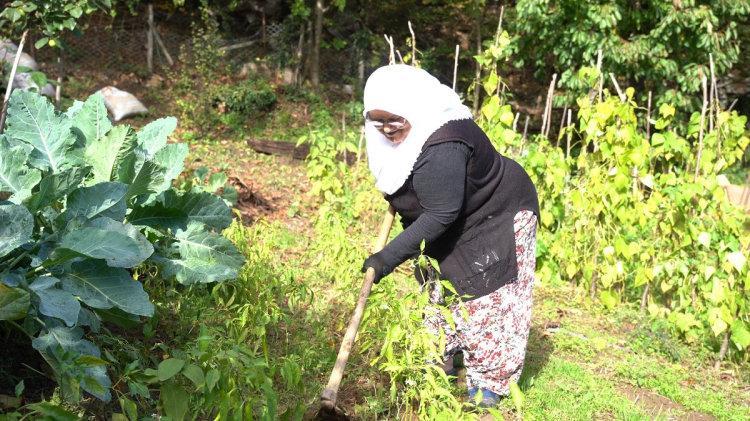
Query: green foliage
x=663, y=44
x=624, y=212
x=226, y=369
x=89, y=202
x=247, y=97
x=201, y=179
x=408, y=351
x=51, y=18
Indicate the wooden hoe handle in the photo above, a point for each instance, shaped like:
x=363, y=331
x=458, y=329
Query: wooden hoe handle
x=329, y=395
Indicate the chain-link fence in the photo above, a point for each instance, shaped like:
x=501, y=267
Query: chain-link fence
x=121, y=47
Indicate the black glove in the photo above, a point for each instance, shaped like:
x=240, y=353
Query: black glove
x=377, y=262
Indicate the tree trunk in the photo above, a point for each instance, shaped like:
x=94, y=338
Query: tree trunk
x=317, y=34
x=150, y=40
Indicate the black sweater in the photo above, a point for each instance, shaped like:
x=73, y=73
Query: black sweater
x=441, y=197
x=461, y=199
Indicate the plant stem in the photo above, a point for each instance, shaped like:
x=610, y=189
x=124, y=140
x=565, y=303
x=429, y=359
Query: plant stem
x=10, y=81
x=17, y=326
x=17, y=259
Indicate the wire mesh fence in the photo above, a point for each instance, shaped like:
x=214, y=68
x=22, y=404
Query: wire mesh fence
x=114, y=48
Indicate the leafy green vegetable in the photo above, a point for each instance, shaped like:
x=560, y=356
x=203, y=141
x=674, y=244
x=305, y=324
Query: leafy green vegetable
x=83, y=196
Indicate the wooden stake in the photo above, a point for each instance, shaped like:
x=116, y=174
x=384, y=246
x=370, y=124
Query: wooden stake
x=644, y=297
x=562, y=120
x=9, y=89
x=499, y=26
x=567, y=151
x=723, y=349
x=401, y=59
x=263, y=38
x=391, y=56
x=413, y=46
x=601, y=75
x=711, y=94
x=729, y=110
x=622, y=96
x=150, y=40
x=548, y=107
x=525, y=127
x=455, y=68
x=298, y=65
x=648, y=118
x=343, y=130
x=163, y=48
x=594, y=276
x=361, y=137
x=700, y=135
x=515, y=122
x=478, y=68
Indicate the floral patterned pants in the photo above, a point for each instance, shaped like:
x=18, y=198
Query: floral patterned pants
x=493, y=339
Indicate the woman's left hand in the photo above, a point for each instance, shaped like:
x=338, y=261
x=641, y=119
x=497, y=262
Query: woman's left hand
x=377, y=262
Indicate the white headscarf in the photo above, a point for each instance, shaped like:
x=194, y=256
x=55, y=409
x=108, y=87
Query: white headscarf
x=419, y=97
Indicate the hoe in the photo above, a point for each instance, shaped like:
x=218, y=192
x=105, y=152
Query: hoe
x=328, y=409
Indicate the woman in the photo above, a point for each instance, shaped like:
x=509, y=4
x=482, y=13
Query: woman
x=475, y=209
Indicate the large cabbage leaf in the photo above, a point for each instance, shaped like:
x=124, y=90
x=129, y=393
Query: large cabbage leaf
x=203, y=257
x=154, y=136
x=16, y=227
x=175, y=211
x=103, y=199
x=15, y=175
x=14, y=303
x=70, y=341
x=55, y=302
x=90, y=121
x=105, y=154
x=118, y=244
x=101, y=286
x=32, y=119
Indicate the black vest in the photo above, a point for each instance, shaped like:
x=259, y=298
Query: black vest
x=477, y=254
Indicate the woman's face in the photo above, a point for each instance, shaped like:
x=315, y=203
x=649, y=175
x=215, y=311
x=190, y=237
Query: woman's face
x=394, y=127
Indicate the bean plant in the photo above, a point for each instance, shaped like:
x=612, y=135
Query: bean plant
x=632, y=220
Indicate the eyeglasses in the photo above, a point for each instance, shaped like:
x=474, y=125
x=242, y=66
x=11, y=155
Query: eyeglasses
x=381, y=125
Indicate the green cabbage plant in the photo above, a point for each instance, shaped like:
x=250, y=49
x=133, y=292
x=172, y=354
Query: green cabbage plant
x=86, y=203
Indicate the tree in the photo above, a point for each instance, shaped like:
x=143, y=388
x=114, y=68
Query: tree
x=651, y=43
x=52, y=19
